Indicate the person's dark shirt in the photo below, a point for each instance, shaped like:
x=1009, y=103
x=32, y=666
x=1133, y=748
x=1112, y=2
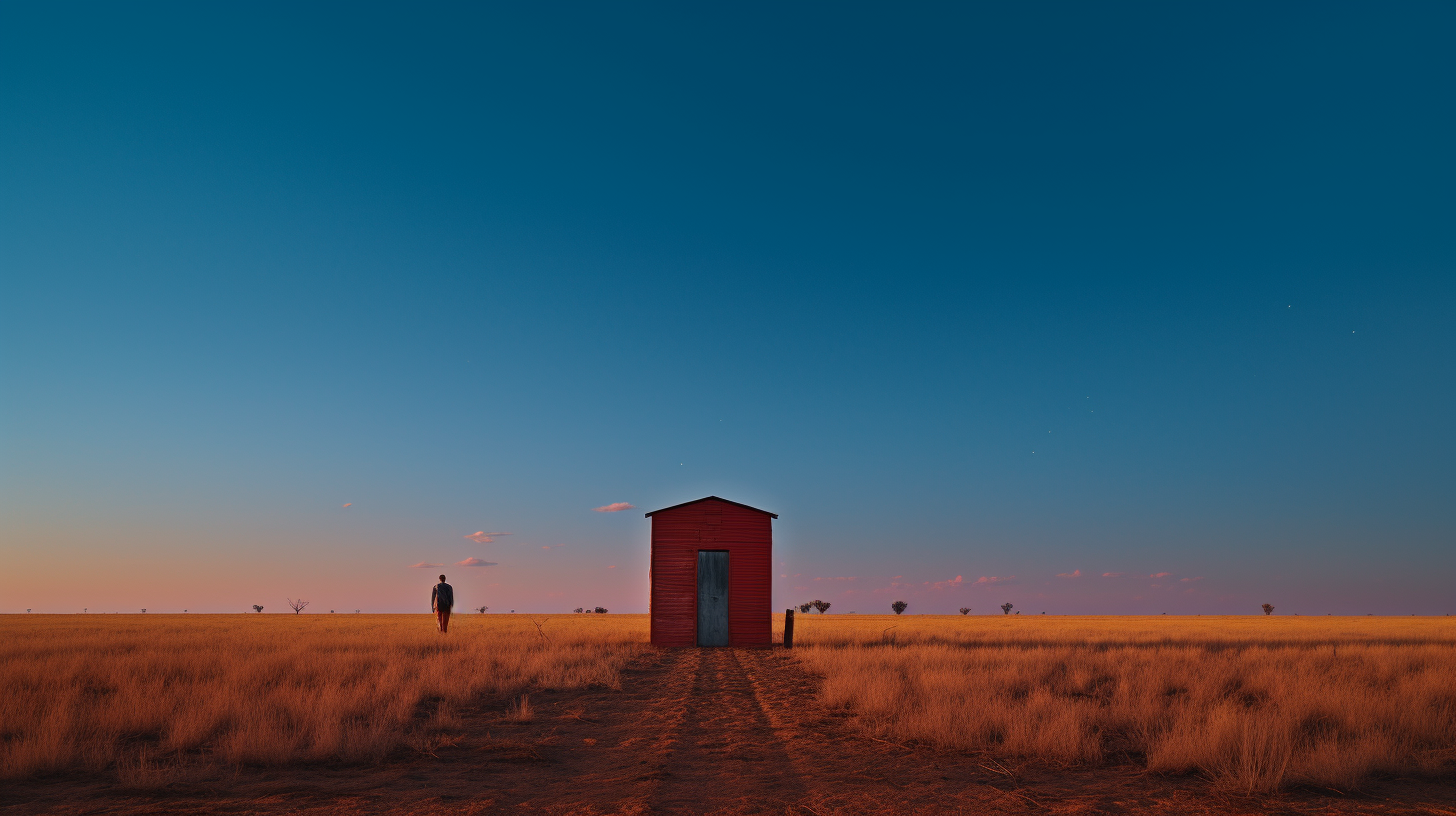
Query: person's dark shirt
x=442, y=596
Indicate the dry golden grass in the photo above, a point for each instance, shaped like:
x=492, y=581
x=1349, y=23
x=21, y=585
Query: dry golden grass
x=144, y=696
x=1253, y=702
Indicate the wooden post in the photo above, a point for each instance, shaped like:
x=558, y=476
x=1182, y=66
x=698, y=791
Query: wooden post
x=788, y=628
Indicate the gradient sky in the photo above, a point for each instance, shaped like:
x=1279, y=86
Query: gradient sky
x=1156, y=297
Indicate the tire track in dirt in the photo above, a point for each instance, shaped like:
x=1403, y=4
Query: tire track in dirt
x=727, y=754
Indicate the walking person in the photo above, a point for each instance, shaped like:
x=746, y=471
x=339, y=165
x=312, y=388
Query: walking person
x=442, y=599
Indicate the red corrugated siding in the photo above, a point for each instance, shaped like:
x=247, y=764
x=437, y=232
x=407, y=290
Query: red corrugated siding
x=677, y=535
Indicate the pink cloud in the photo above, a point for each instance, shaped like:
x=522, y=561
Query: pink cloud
x=1160, y=575
x=1190, y=580
x=482, y=537
x=612, y=566
x=1112, y=574
x=614, y=507
x=475, y=562
x=992, y=580
x=954, y=582
x=837, y=578
x=423, y=565
x=350, y=504
x=895, y=586
x=1076, y=573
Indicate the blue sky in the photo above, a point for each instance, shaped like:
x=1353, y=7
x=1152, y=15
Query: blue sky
x=1002, y=293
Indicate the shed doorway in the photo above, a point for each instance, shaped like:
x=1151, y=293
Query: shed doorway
x=712, y=597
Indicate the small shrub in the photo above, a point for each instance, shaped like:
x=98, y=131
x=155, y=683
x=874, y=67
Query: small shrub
x=965, y=610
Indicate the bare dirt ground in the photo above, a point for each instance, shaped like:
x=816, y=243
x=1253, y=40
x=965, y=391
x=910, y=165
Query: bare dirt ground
x=713, y=731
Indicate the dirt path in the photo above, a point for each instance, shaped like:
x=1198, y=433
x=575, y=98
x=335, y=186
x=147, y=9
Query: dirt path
x=727, y=749
x=712, y=731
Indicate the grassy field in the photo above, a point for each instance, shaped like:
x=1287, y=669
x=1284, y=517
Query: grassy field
x=1255, y=703
x=93, y=692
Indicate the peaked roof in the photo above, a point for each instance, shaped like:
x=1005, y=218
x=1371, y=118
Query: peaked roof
x=711, y=498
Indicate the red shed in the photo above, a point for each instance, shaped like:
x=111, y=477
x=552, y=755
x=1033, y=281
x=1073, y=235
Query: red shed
x=712, y=565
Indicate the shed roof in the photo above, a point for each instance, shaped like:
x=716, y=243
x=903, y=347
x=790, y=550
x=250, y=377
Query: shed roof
x=710, y=498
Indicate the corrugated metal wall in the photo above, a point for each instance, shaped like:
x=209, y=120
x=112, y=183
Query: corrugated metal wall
x=677, y=535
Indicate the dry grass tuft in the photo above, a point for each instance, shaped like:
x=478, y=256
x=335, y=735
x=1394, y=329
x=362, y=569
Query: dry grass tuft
x=519, y=710
x=1256, y=704
x=149, y=698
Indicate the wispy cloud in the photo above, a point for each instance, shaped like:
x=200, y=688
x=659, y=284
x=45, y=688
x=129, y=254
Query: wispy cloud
x=896, y=587
x=992, y=580
x=614, y=507
x=1160, y=575
x=954, y=582
x=837, y=578
x=475, y=562
x=350, y=504
x=423, y=565
x=1076, y=573
x=1189, y=580
x=611, y=566
x=482, y=537
x=1113, y=574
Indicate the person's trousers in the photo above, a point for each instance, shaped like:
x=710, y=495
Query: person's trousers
x=442, y=616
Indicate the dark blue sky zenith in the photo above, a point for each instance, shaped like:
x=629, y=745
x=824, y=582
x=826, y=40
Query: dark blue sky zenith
x=998, y=291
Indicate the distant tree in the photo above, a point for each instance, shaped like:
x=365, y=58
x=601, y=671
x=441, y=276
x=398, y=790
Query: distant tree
x=1006, y=609
x=578, y=610
x=144, y=611
x=27, y=610
x=822, y=606
x=1268, y=609
x=257, y=608
x=297, y=606
x=899, y=606
x=601, y=610
x=965, y=610
x=481, y=609
x=805, y=607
